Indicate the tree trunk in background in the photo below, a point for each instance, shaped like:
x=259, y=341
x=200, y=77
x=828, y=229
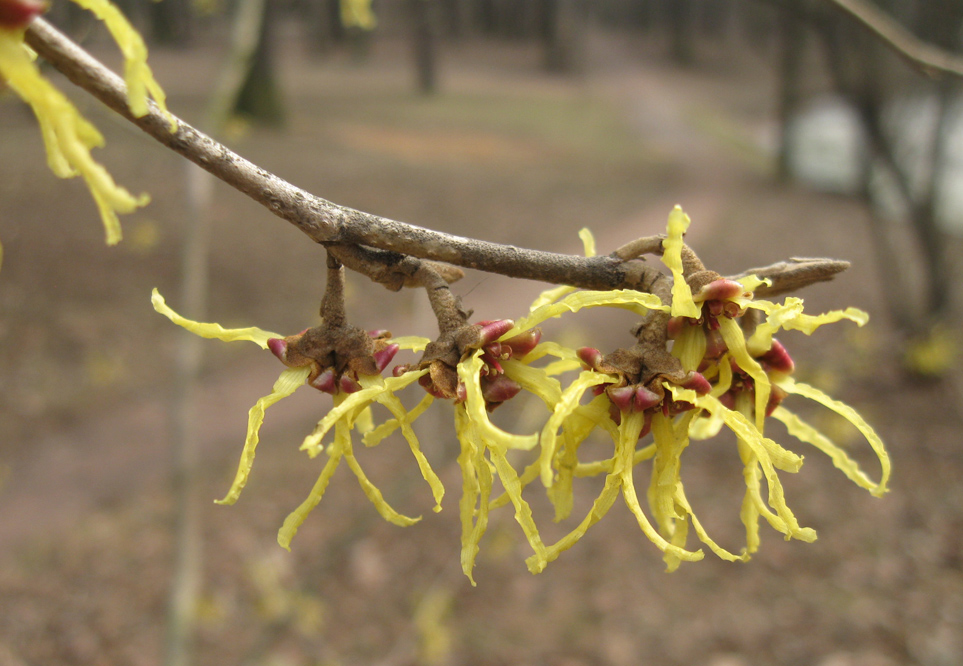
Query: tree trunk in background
x=565, y=26
x=425, y=43
x=792, y=28
x=260, y=97
x=682, y=45
x=323, y=24
x=170, y=21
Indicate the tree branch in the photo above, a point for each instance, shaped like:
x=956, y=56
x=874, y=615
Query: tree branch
x=926, y=57
x=338, y=226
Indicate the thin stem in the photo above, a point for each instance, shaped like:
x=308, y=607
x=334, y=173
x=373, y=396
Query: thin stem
x=332, y=304
x=926, y=57
x=329, y=223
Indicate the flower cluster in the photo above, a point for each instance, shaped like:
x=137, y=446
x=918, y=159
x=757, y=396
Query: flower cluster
x=706, y=360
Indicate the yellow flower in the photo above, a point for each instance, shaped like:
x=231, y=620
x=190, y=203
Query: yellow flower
x=351, y=411
x=69, y=137
x=358, y=14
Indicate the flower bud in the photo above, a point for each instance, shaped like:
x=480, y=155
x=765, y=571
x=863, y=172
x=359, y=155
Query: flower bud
x=279, y=348
x=778, y=359
x=590, y=356
x=715, y=345
x=697, y=383
x=349, y=384
x=622, y=397
x=18, y=13
x=718, y=290
x=499, y=389
x=325, y=382
x=383, y=357
x=776, y=396
x=675, y=326
x=492, y=330
x=379, y=333
x=522, y=344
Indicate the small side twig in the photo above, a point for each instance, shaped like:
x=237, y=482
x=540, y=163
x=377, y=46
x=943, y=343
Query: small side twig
x=925, y=57
x=798, y=272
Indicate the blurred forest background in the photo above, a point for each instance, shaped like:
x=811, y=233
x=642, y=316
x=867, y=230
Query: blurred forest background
x=783, y=128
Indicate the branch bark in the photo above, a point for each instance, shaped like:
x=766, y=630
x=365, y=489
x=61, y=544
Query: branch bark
x=333, y=225
x=926, y=57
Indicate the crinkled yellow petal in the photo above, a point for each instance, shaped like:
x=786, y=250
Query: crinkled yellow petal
x=601, y=506
x=67, y=136
x=469, y=372
x=807, y=433
x=629, y=431
x=373, y=494
x=626, y=299
x=798, y=388
x=682, y=303
x=577, y=427
x=213, y=331
x=477, y=478
x=665, y=473
x=393, y=404
x=137, y=73
x=719, y=551
x=690, y=347
x=789, y=316
x=296, y=518
x=566, y=405
x=353, y=401
x=358, y=14
x=736, y=342
x=289, y=381
x=588, y=241
x=411, y=342
x=757, y=452
x=752, y=282
x=523, y=512
x=375, y=436
x=779, y=457
x=535, y=381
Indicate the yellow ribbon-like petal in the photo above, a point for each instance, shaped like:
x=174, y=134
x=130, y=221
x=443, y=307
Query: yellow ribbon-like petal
x=798, y=388
x=789, y=316
x=477, y=478
x=682, y=303
x=468, y=372
x=626, y=299
x=354, y=401
x=67, y=136
x=289, y=381
x=566, y=405
x=137, y=73
x=404, y=419
x=214, y=331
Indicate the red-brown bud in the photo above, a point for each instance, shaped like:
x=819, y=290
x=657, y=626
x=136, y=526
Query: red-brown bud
x=590, y=356
x=696, y=382
x=492, y=330
x=522, y=344
x=278, y=347
x=18, y=13
x=778, y=359
x=383, y=357
x=718, y=290
x=499, y=389
x=349, y=384
x=325, y=382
